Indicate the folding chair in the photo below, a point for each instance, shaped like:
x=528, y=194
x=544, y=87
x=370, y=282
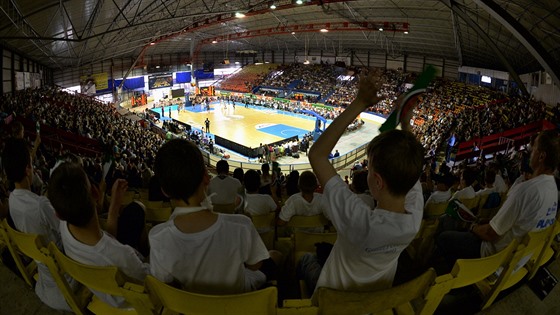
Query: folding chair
x=171, y=299
x=466, y=272
x=107, y=280
x=28, y=271
x=395, y=300
x=33, y=246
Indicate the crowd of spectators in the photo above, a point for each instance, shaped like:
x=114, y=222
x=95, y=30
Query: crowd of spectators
x=136, y=150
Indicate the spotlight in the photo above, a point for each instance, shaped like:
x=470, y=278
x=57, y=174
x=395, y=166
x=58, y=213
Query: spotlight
x=152, y=44
x=272, y=6
x=293, y=33
x=239, y=15
x=406, y=32
x=214, y=42
x=299, y=1
x=323, y=30
x=381, y=29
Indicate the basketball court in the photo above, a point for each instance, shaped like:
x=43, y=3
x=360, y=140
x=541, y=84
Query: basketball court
x=257, y=125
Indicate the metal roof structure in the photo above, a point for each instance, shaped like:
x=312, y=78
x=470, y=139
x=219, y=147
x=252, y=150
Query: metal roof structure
x=518, y=36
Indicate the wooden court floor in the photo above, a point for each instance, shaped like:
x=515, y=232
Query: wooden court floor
x=240, y=124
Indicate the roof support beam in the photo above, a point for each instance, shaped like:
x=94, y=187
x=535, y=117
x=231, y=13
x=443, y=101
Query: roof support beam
x=524, y=36
x=474, y=25
x=12, y=12
x=456, y=35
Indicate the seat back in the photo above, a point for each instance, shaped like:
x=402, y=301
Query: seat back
x=172, y=299
x=33, y=246
x=304, y=242
x=224, y=208
x=471, y=203
x=397, y=298
x=106, y=279
x=466, y=272
x=422, y=246
x=263, y=220
x=27, y=271
x=158, y=215
x=301, y=221
x=434, y=210
x=546, y=254
x=527, y=251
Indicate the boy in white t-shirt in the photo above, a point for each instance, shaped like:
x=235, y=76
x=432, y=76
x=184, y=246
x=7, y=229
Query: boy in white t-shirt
x=255, y=203
x=75, y=199
x=205, y=252
x=369, y=242
x=33, y=214
x=307, y=202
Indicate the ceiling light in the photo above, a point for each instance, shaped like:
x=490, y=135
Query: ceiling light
x=239, y=15
x=323, y=30
x=214, y=42
x=306, y=62
x=157, y=67
x=152, y=44
x=406, y=32
x=293, y=33
x=299, y=1
x=272, y=6
x=381, y=29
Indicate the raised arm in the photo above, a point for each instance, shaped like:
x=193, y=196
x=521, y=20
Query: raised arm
x=117, y=193
x=319, y=152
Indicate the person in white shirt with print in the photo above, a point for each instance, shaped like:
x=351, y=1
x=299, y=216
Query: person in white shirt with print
x=369, y=242
x=530, y=206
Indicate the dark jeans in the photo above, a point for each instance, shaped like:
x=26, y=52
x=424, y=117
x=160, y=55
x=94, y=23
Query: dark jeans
x=131, y=227
x=455, y=245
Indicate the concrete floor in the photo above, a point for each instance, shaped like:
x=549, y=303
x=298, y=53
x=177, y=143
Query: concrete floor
x=16, y=298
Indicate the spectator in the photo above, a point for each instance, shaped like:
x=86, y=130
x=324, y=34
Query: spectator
x=530, y=206
x=360, y=187
x=33, y=214
x=223, y=188
x=306, y=203
x=75, y=199
x=468, y=177
x=255, y=203
x=395, y=164
x=195, y=246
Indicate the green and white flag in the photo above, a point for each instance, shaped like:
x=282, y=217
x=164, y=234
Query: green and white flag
x=409, y=100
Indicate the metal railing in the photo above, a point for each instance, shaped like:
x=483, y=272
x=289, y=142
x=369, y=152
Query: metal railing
x=339, y=163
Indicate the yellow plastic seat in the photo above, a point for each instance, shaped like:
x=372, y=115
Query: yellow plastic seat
x=28, y=271
x=304, y=242
x=471, y=203
x=433, y=210
x=158, y=215
x=466, y=272
x=527, y=251
x=547, y=253
x=33, y=246
x=259, y=302
x=224, y=208
x=422, y=246
x=301, y=221
x=108, y=280
x=297, y=307
x=264, y=220
x=395, y=300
